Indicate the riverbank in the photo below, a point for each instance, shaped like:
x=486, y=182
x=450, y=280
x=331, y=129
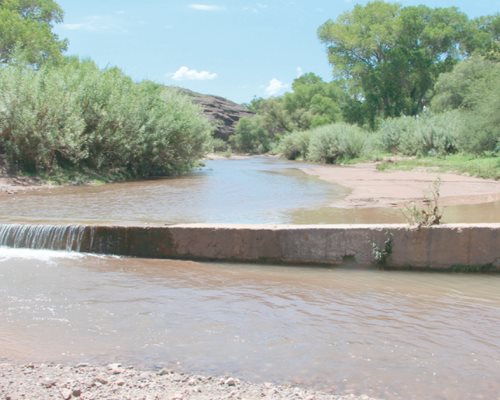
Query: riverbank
x=372, y=188
x=84, y=381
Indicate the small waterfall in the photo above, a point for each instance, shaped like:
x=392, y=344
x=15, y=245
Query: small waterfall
x=53, y=237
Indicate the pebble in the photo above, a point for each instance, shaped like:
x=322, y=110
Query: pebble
x=101, y=383
x=231, y=381
x=48, y=383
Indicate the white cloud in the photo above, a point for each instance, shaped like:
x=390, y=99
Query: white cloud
x=205, y=7
x=187, y=74
x=96, y=23
x=300, y=72
x=275, y=87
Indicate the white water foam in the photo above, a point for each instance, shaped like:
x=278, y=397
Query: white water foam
x=8, y=253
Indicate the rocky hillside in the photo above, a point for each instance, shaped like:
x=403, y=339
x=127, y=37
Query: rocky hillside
x=223, y=112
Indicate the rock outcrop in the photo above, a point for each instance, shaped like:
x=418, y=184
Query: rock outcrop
x=223, y=112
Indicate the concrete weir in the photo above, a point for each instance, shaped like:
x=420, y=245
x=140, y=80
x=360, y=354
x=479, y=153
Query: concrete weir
x=466, y=247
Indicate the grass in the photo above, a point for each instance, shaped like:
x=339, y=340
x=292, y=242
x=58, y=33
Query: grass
x=482, y=167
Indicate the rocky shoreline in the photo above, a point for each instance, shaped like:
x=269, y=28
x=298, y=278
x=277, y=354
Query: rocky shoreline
x=114, y=381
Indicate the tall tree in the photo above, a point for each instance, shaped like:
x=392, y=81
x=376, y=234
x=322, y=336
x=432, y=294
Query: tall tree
x=26, y=30
x=391, y=56
x=313, y=102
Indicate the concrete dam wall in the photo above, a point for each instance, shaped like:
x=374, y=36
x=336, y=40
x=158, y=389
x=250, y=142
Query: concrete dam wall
x=455, y=246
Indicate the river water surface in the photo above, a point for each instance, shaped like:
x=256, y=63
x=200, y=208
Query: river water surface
x=254, y=190
x=387, y=334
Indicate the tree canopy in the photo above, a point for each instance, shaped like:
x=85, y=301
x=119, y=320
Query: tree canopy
x=26, y=30
x=391, y=56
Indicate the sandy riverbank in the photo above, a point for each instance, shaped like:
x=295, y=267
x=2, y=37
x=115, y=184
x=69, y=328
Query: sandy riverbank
x=371, y=188
x=43, y=381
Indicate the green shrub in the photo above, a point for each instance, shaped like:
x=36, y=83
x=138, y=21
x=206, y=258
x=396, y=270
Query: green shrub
x=251, y=136
x=392, y=130
x=423, y=135
x=75, y=116
x=473, y=87
x=295, y=145
x=40, y=123
x=336, y=142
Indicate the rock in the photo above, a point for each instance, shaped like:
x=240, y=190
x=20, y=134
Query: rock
x=116, y=368
x=77, y=392
x=48, y=383
x=101, y=380
x=223, y=112
x=66, y=394
x=164, y=371
x=230, y=382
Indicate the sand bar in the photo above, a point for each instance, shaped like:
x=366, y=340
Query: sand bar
x=371, y=188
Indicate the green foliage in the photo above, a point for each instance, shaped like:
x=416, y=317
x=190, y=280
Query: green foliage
x=313, y=102
x=251, y=135
x=26, y=31
x=473, y=87
x=334, y=143
x=421, y=136
x=75, y=116
x=381, y=254
x=330, y=144
x=466, y=85
x=483, y=167
x=295, y=145
x=391, y=56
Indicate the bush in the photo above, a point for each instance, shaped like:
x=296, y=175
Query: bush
x=40, y=123
x=423, y=135
x=473, y=87
x=251, y=136
x=75, y=116
x=336, y=142
x=295, y=145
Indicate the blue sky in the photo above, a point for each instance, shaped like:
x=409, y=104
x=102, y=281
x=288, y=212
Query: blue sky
x=238, y=49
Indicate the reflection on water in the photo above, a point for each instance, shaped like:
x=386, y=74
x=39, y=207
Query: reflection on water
x=486, y=212
x=387, y=334
x=254, y=190
x=237, y=191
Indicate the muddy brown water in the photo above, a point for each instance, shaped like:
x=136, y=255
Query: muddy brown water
x=254, y=190
x=387, y=334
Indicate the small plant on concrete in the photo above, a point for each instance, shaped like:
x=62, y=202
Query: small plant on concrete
x=382, y=254
x=429, y=213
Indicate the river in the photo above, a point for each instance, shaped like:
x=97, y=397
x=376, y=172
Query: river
x=387, y=334
x=253, y=190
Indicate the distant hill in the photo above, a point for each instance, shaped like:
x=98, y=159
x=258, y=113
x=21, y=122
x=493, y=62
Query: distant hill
x=225, y=113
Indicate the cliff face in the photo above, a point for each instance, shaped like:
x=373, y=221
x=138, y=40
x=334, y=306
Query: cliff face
x=225, y=113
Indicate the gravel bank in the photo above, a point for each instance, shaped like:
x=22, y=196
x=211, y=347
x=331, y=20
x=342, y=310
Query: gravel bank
x=49, y=381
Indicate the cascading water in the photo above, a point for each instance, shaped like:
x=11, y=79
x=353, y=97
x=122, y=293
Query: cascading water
x=53, y=237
